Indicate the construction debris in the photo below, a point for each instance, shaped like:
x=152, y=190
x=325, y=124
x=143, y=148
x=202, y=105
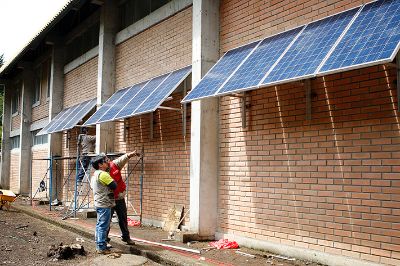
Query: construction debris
x=65, y=252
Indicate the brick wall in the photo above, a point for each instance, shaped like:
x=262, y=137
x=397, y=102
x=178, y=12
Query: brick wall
x=14, y=171
x=329, y=184
x=166, y=160
x=160, y=49
x=165, y=47
x=15, y=122
x=80, y=84
x=39, y=169
x=246, y=21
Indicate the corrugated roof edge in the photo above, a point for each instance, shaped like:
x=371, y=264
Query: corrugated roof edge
x=63, y=11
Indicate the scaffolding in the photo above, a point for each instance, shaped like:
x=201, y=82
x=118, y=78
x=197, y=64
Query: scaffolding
x=77, y=194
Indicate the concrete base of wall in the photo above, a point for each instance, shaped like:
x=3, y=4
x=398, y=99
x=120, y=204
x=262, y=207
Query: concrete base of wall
x=300, y=253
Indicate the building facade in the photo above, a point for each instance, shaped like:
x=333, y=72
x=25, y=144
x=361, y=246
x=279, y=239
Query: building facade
x=307, y=174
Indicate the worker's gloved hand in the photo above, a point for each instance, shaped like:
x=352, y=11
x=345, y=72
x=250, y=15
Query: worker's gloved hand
x=134, y=153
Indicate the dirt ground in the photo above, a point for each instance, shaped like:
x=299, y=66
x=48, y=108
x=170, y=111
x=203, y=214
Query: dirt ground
x=22, y=239
x=25, y=241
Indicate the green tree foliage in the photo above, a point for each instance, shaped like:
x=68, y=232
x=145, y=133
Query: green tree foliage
x=1, y=98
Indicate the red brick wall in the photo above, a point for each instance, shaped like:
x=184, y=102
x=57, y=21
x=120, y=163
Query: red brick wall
x=15, y=122
x=329, y=184
x=14, y=171
x=166, y=161
x=80, y=84
x=165, y=47
x=39, y=169
x=160, y=49
x=245, y=21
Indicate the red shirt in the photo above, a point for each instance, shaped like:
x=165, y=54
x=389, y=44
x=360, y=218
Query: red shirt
x=115, y=173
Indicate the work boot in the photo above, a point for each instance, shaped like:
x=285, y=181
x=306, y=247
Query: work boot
x=104, y=252
x=128, y=241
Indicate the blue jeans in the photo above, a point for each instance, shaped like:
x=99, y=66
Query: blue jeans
x=83, y=167
x=102, y=225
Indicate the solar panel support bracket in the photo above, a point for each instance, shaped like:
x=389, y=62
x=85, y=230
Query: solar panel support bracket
x=151, y=125
x=243, y=97
x=171, y=108
x=307, y=85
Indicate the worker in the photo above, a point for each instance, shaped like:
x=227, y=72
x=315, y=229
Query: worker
x=119, y=194
x=103, y=186
x=87, y=145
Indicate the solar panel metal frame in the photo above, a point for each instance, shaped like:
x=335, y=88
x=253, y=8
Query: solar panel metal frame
x=169, y=92
x=103, y=106
x=271, y=68
x=131, y=114
x=313, y=75
x=213, y=95
x=362, y=65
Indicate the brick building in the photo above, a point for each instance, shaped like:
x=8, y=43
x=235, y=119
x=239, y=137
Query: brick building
x=307, y=168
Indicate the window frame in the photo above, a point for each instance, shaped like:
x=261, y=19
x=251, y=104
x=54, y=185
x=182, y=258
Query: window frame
x=15, y=103
x=13, y=141
x=37, y=87
x=39, y=140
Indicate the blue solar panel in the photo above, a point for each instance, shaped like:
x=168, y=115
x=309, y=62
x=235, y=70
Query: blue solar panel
x=52, y=122
x=71, y=115
x=119, y=105
x=217, y=75
x=60, y=119
x=145, y=92
x=373, y=37
x=163, y=91
x=105, y=107
x=311, y=47
x=80, y=114
x=259, y=62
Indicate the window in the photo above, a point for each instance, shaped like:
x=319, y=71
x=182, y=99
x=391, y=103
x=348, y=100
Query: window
x=37, y=87
x=83, y=43
x=15, y=142
x=38, y=140
x=134, y=10
x=48, y=77
x=15, y=103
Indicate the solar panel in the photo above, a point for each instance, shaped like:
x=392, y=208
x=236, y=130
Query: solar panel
x=131, y=92
x=80, y=114
x=52, y=122
x=309, y=50
x=60, y=120
x=218, y=74
x=163, y=91
x=68, y=117
x=74, y=110
x=105, y=107
x=145, y=92
x=259, y=62
x=373, y=38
